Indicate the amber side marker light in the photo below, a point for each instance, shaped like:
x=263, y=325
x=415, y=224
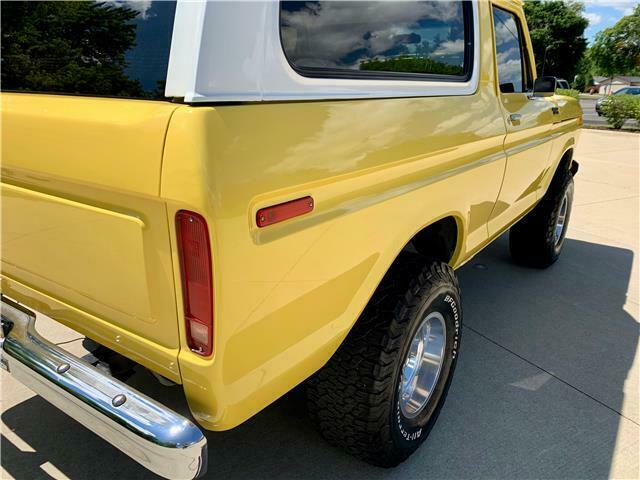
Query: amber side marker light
x=283, y=211
x=194, y=251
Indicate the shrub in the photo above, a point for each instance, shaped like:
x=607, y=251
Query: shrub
x=569, y=93
x=635, y=109
x=618, y=108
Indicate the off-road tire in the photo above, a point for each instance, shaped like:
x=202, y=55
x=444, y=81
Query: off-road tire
x=532, y=240
x=354, y=399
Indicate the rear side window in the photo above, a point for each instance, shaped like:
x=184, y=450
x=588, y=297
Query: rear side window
x=512, y=65
x=117, y=48
x=379, y=39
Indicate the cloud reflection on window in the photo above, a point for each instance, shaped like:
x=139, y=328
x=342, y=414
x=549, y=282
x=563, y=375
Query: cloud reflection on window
x=417, y=37
x=508, y=51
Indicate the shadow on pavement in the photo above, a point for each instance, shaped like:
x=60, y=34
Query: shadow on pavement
x=505, y=416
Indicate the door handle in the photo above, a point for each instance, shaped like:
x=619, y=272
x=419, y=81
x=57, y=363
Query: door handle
x=555, y=110
x=515, y=118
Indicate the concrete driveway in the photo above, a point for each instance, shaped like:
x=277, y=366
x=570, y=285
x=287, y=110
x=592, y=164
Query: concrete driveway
x=547, y=384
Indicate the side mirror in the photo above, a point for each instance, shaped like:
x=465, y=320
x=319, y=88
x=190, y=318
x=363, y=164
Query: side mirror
x=545, y=86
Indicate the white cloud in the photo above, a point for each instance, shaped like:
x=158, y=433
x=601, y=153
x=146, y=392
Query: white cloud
x=511, y=72
x=140, y=6
x=450, y=48
x=594, y=18
x=623, y=6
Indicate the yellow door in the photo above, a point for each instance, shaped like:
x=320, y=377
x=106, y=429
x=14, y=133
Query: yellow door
x=528, y=120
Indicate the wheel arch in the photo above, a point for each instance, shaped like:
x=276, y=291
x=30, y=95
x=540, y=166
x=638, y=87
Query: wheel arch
x=567, y=162
x=439, y=240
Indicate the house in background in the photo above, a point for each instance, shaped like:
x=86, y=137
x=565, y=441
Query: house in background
x=608, y=85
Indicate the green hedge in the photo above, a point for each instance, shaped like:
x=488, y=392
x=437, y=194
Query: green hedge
x=569, y=93
x=618, y=108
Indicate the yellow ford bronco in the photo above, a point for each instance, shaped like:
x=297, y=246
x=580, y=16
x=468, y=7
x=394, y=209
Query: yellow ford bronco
x=244, y=197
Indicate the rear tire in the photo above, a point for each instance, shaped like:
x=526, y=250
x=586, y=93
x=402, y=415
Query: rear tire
x=537, y=240
x=359, y=400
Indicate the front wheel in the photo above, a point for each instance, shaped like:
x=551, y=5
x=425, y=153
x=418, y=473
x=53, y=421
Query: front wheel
x=381, y=392
x=538, y=238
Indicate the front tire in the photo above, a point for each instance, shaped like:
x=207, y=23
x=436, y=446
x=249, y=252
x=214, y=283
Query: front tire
x=537, y=240
x=371, y=399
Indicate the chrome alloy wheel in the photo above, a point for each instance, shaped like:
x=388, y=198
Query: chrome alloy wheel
x=561, y=221
x=422, y=365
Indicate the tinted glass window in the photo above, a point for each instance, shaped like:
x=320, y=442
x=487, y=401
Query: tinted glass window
x=116, y=48
x=628, y=91
x=508, y=52
x=363, y=37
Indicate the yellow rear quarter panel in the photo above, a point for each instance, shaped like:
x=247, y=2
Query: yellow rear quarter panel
x=378, y=170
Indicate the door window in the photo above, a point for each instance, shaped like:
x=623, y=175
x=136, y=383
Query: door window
x=512, y=63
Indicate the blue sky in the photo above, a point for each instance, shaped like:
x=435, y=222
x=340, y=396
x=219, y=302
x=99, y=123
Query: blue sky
x=605, y=13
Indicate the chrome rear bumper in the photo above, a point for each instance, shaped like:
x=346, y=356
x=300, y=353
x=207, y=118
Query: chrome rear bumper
x=150, y=433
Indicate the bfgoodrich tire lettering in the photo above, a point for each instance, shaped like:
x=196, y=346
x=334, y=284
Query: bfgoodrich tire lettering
x=414, y=430
x=355, y=398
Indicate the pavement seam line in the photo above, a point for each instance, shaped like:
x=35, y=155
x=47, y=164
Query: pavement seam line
x=605, y=201
x=69, y=341
x=550, y=373
x=586, y=180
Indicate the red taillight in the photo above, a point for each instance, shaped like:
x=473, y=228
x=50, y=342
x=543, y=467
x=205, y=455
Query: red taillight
x=283, y=211
x=197, y=280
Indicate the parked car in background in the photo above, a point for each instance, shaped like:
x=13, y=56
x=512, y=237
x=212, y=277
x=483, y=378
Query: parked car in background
x=243, y=197
x=562, y=84
x=622, y=91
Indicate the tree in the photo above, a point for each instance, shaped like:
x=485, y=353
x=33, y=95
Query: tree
x=557, y=34
x=413, y=65
x=584, y=78
x=68, y=47
x=616, y=50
